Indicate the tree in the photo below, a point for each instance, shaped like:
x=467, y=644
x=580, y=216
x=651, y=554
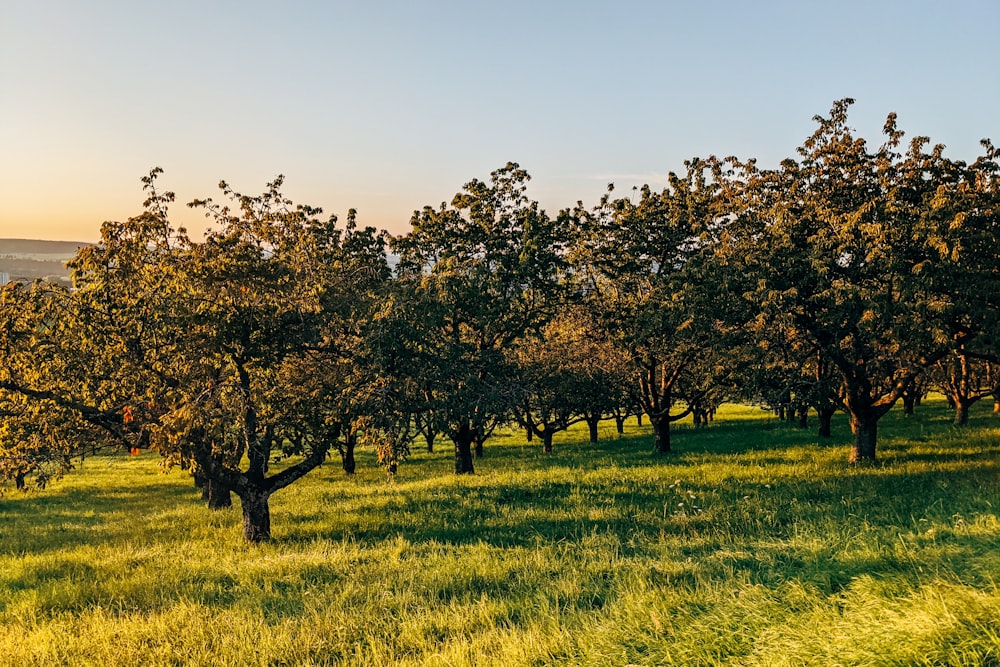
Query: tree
x=273, y=294
x=216, y=354
x=474, y=277
x=645, y=269
x=961, y=221
x=82, y=369
x=838, y=246
x=567, y=374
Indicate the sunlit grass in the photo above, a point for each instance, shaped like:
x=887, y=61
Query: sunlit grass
x=753, y=544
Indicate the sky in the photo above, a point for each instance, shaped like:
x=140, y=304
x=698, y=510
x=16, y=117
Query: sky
x=387, y=106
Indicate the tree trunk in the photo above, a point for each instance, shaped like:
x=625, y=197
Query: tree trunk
x=347, y=459
x=661, y=431
x=201, y=482
x=865, y=431
x=592, y=424
x=19, y=480
x=256, y=516
x=962, y=411
x=909, y=401
x=429, y=437
x=480, y=440
x=529, y=433
x=217, y=495
x=825, y=416
x=803, y=416
x=463, y=450
x=547, y=440
x=638, y=419
x=620, y=424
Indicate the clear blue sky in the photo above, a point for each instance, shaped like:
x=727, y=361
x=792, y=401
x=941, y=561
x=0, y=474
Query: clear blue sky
x=388, y=106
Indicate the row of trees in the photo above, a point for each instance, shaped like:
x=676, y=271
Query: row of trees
x=838, y=280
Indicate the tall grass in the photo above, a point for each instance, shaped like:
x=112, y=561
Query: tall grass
x=752, y=544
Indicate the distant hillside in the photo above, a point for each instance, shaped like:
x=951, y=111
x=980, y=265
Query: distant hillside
x=33, y=247
x=26, y=259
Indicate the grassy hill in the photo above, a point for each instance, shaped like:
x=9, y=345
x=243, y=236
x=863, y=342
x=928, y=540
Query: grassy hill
x=753, y=544
x=26, y=260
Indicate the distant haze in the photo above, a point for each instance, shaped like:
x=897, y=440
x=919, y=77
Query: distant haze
x=27, y=259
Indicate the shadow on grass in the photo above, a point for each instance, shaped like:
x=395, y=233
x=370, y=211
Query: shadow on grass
x=63, y=518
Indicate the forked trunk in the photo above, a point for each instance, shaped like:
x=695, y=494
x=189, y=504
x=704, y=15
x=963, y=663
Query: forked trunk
x=463, y=450
x=256, y=516
x=620, y=424
x=592, y=423
x=865, y=431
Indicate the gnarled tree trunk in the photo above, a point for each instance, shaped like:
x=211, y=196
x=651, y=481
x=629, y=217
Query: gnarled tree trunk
x=865, y=429
x=547, y=434
x=256, y=515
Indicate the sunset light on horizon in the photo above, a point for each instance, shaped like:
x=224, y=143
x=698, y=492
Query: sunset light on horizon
x=386, y=107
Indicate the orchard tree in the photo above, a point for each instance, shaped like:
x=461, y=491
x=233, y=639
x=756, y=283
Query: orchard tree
x=220, y=354
x=475, y=277
x=84, y=369
x=567, y=374
x=645, y=270
x=838, y=246
x=271, y=303
x=961, y=220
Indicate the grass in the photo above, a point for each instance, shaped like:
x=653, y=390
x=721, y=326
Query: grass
x=752, y=544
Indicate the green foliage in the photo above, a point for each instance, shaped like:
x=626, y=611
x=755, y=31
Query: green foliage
x=752, y=546
x=568, y=372
x=646, y=270
x=844, y=256
x=475, y=277
x=216, y=354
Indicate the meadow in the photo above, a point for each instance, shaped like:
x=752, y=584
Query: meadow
x=752, y=544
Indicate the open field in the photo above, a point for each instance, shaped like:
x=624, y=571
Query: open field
x=752, y=544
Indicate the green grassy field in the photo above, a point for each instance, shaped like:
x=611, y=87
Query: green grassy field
x=753, y=544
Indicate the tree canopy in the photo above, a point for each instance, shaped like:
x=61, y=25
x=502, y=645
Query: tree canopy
x=844, y=278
